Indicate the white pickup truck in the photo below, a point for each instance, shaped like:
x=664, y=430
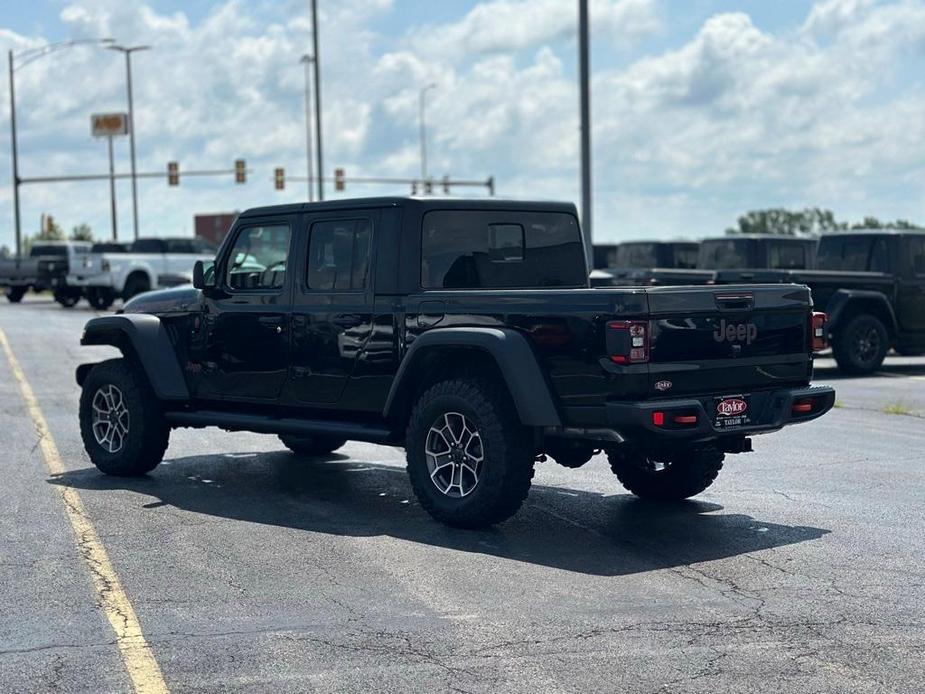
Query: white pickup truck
x=148, y=263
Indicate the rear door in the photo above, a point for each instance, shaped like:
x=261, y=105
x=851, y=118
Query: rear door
x=332, y=315
x=737, y=338
x=911, y=294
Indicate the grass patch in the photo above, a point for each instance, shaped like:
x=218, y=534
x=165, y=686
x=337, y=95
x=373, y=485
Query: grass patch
x=838, y=405
x=897, y=408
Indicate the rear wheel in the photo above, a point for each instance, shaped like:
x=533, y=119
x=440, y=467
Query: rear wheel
x=100, y=298
x=470, y=460
x=121, y=421
x=570, y=454
x=15, y=294
x=68, y=297
x=311, y=445
x=134, y=285
x=861, y=345
x=670, y=478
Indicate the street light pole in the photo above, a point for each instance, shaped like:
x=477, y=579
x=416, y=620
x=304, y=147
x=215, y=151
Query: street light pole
x=308, y=60
x=112, y=192
x=29, y=55
x=584, y=77
x=422, y=105
x=316, y=62
x=128, y=50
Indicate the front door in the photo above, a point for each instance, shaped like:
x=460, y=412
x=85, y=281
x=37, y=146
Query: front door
x=332, y=315
x=241, y=348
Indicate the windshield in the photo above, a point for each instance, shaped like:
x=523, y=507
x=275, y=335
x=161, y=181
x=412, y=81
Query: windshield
x=724, y=254
x=47, y=249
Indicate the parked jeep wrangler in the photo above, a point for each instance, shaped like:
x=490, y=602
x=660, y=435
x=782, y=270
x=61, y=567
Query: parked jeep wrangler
x=464, y=331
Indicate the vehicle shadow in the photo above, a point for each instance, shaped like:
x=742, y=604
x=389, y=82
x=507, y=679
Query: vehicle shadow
x=567, y=529
x=831, y=373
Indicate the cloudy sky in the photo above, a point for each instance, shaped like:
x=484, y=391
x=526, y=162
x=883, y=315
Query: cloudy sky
x=702, y=109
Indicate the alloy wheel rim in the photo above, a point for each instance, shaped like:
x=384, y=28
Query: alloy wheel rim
x=867, y=343
x=110, y=418
x=455, y=456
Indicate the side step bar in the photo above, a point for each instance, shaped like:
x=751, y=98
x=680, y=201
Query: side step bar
x=263, y=424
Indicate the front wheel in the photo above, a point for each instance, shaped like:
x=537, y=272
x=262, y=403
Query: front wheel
x=121, y=422
x=311, y=445
x=470, y=460
x=861, y=346
x=666, y=478
x=68, y=298
x=15, y=294
x=100, y=298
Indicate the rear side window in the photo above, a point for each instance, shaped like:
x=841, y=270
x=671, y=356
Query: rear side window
x=916, y=245
x=338, y=255
x=852, y=254
x=258, y=258
x=685, y=257
x=724, y=254
x=637, y=255
x=787, y=256
x=471, y=249
x=148, y=246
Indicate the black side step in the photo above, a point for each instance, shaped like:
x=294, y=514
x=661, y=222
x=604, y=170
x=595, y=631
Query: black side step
x=263, y=424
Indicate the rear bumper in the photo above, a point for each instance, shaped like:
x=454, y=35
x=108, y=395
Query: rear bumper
x=771, y=411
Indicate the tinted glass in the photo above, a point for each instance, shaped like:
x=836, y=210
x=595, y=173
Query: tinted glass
x=786, y=256
x=685, y=257
x=916, y=246
x=148, y=246
x=258, y=258
x=637, y=255
x=109, y=247
x=724, y=254
x=46, y=249
x=180, y=246
x=605, y=255
x=850, y=254
x=879, y=257
x=203, y=247
x=472, y=249
x=338, y=255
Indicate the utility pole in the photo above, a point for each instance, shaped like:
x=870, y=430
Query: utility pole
x=128, y=50
x=15, y=161
x=584, y=77
x=422, y=105
x=317, y=60
x=308, y=60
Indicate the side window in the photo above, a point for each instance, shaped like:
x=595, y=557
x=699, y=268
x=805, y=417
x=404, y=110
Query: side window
x=879, y=257
x=916, y=245
x=787, y=256
x=258, y=258
x=338, y=255
x=179, y=245
x=148, y=246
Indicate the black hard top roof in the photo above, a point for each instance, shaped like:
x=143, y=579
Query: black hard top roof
x=763, y=237
x=422, y=204
x=869, y=232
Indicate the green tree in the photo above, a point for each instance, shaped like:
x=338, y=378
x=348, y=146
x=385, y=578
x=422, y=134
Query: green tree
x=778, y=220
x=82, y=232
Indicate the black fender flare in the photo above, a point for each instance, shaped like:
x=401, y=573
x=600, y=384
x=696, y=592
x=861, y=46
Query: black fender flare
x=512, y=353
x=145, y=336
x=842, y=299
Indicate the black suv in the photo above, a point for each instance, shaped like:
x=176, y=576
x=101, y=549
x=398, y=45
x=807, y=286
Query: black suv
x=464, y=331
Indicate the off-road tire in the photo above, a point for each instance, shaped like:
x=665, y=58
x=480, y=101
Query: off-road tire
x=861, y=345
x=570, y=454
x=506, y=469
x=135, y=285
x=686, y=474
x=311, y=445
x=15, y=294
x=148, y=433
x=100, y=299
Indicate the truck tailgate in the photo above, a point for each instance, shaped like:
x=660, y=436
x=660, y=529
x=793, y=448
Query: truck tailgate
x=729, y=339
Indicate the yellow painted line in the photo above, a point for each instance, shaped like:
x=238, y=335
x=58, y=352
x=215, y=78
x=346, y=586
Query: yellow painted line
x=136, y=654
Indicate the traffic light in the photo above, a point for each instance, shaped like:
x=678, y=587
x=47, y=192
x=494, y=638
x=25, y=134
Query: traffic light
x=240, y=171
x=338, y=179
x=279, y=178
x=173, y=173
x=446, y=185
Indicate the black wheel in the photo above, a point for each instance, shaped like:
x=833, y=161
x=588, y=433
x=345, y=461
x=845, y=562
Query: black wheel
x=134, y=285
x=15, y=294
x=860, y=346
x=121, y=422
x=100, y=298
x=68, y=298
x=470, y=460
x=685, y=474
x=571, y=454
x=311, y=445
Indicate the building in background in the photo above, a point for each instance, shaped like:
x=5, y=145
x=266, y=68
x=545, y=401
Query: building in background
x=213, y=227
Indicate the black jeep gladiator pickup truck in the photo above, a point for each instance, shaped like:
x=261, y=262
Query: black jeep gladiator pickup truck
x=871, y=284
x=464, y=331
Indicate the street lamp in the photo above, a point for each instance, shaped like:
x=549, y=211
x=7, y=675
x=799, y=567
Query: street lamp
x=308, y=61
x=128, y=50
x=422, y=100
x=25, y=57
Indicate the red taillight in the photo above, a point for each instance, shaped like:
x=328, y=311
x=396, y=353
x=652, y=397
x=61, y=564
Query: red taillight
x=628, y=342
x=803, y=406
x=658, y=419
x=818, y=331
x=686, y=419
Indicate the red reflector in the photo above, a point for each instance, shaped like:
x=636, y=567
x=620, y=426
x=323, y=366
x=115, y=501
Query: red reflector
x=686, y=419
x=803, y=406
x=618, y=359
x=658, y=419
x=818, y=331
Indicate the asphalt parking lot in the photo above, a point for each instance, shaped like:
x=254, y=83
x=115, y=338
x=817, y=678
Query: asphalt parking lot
x=801, y=570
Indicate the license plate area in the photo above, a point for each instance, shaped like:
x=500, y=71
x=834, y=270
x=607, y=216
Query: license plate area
x=732, y=411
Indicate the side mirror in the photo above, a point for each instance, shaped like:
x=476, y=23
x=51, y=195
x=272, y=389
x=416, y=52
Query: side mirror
x=204, y=274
